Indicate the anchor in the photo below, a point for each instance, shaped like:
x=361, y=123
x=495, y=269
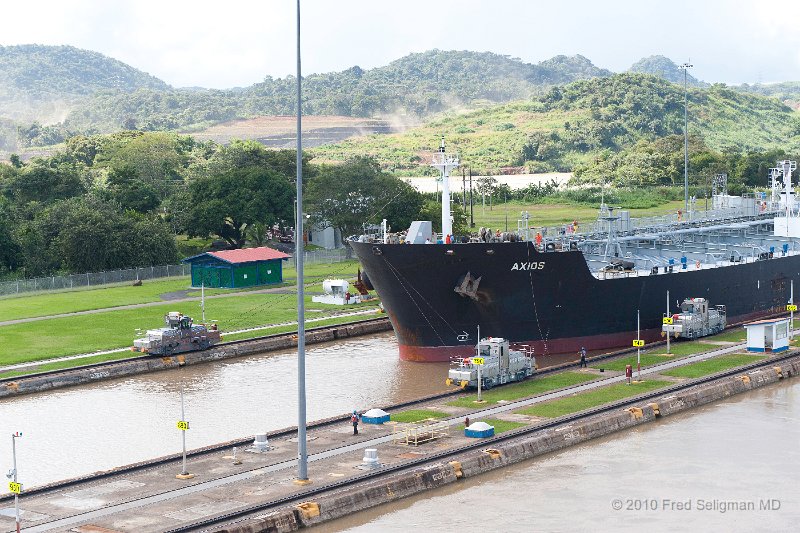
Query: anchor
x=468, y=286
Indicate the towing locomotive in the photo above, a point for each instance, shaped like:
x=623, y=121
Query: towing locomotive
x=180, y=335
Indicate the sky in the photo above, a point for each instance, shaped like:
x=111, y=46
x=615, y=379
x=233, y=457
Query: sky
x=237, y=43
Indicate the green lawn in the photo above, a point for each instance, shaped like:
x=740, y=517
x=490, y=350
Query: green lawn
x=44, y=304
x=619, y=364
x=684, y=348
x=88, y=298
x=416, y=415
x=500, y=426
x=553, y=214
x=56, y=337
x=530, y=387
x=734, y=335
x=588, y=399
x=712, y=366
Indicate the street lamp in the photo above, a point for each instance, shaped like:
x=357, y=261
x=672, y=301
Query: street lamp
x=302, y=451
x=685, y=68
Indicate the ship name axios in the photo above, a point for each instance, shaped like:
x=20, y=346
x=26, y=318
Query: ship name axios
x=530, y=265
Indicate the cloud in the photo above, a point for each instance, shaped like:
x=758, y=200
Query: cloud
x=238, y=42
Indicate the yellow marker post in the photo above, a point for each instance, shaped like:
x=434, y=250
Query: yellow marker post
x=791, y=307
x=477, y=360
x=183, y=425
x=638, y=343
x=15, y=487
x=667, y=320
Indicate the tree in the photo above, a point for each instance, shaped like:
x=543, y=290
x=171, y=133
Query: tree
x=227, y=204
x=89, y=234
x=8, y=246
x=124, y=187
x=45, y=181
x=355, y=193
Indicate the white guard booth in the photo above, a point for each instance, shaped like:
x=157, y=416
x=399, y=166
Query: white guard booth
x=771, y=335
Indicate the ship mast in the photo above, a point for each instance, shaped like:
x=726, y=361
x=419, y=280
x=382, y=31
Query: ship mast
x=445, y=163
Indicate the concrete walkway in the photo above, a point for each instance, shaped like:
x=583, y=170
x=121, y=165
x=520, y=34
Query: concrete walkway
x=120, y=502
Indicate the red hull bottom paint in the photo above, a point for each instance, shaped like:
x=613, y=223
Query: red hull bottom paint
x=433, y=354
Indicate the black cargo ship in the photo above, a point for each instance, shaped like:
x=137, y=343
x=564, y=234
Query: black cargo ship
x=436, y=294
x=584, y=289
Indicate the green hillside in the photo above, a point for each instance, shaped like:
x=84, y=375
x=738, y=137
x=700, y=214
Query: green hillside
x=583, y=122
x=36, y=80
x=417, y=85
x=788, y=92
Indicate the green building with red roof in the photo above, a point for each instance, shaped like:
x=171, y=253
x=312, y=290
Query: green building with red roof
x=236, y=269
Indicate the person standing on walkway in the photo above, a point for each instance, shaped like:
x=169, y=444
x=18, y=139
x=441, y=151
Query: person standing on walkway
x=354, y=420
x=583, y=357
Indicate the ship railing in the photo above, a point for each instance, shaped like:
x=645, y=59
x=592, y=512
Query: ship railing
x=419, y=433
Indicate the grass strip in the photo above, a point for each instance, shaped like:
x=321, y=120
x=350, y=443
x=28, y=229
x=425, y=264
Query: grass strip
x=72, y=363
x=50, y=338
x=39, y=304
x=593, y=398
x=416, y=415
x=647, y=359
x=712, y=366
x=530, y=387
x=734, y=335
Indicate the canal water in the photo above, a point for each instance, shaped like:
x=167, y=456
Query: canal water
x=79, y=430
x=715, y=468
x=730, y=466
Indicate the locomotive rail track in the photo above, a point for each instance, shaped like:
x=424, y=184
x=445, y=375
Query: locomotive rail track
x=304, y=495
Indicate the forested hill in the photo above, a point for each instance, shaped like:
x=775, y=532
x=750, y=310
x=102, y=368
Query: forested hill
x=416, y=85
x=665, y=68
x=619, y=127
x=35, y=79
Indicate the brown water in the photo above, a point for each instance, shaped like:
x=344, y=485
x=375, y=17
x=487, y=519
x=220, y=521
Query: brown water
x=683, y=473
x=97, y=426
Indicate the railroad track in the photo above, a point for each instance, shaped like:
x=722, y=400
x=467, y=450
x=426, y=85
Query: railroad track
x=243, y=514
x=434, y=457
x=285, y=432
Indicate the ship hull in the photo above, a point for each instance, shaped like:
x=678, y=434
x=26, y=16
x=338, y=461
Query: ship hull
x=548, y=300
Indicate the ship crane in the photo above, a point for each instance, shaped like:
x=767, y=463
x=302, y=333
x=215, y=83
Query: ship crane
x=445, y=163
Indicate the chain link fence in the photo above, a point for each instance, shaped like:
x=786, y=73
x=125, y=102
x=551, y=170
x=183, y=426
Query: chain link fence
x=335, y=255
x=90, y=279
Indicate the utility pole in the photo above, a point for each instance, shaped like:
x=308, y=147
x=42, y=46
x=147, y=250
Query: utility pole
x=685, y=67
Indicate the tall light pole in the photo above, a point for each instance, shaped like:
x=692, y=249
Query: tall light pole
x=302, y=453
x=685, y=67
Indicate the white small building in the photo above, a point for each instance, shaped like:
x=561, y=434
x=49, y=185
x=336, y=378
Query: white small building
x=770, y=335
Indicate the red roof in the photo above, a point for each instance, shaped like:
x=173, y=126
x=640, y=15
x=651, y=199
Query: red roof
x=247, y=255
